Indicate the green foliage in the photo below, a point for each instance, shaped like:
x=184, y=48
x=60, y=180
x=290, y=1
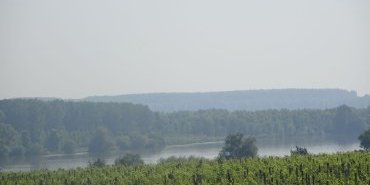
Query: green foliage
x=174, y=159
x=101, y=143
x=2, y=116
x=123, y=143
x=283, y=125
x=299, y=151
x=135, y=128
x=69, y=147
x=61, y=126
x=25, y=138
x=335, y=169
x=129, y=160
x=4, y=151
x=53, y=141
x=346, y=124
x=97, y=163
x=8, y=135
x=17, y=151
x=8, y=138
x=237, y=147
x=154, y=142
x=34, y=149
x=365, y=139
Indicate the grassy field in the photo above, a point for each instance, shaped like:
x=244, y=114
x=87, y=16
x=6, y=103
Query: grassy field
x=342, y=168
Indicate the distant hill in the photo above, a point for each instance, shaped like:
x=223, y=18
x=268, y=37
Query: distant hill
x=250, y=100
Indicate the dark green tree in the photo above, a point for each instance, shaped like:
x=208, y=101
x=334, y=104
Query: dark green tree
x=53, y=141
x=8, y=135
x=138, y=141
x=129, y=160
x=8, y=138
x=123, y=143
x=2, y=117
x=346, y=124
x=299, y=151
x=237, y=147
x=25, y=138
x=69, y=146
x=97, y=163
x=155, y=143
x=17, y=151
x=365, y=139
x=34, y=149
x=101, y=143
x=4, y=150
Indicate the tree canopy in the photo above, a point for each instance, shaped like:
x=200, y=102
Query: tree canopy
x=129, y=160
x=236, y=146
x=299, y=151
x=101, y=143
x=365, y=139
x=40, y=127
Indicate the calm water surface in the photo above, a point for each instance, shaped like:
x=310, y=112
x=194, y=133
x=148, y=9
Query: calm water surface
x=207, y=150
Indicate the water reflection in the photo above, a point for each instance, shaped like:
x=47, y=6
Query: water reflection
x=207, y=150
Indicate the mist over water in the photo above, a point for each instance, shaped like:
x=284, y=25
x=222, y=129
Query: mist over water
x=208, y=150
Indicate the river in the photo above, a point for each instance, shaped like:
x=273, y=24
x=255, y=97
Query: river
x=207, y=150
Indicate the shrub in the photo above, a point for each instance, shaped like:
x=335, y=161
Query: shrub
x=237, y=147
x=365, y=140
x=97, y=163
x=299, y=151
x=129, y=160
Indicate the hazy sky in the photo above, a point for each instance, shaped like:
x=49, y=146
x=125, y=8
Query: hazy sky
x=77, y=48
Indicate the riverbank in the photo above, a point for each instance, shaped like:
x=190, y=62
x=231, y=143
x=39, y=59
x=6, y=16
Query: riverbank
x=208, y=150
x=351, y=167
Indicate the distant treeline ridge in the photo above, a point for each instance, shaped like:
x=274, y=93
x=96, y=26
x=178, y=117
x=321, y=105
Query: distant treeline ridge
x=34, y=127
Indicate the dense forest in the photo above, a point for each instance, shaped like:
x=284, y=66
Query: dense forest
x=34, y=127
x=250, y=100
x=341, y=124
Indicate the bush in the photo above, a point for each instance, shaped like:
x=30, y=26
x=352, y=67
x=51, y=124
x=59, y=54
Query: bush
x=174, y=159
x=237, y=147
x=299, y=151
x=365, y=140
x=129, y=160
x=97, y=163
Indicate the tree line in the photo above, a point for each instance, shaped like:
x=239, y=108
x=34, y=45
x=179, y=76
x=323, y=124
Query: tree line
x=35, y=127
x=342, y=124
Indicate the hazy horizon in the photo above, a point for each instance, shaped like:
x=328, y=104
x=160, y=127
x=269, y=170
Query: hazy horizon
x=184, y=92
x=74, y=49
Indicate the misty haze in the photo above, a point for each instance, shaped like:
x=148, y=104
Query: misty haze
x=184, y=92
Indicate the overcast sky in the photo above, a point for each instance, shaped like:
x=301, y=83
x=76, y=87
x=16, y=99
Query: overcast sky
x=77, y=48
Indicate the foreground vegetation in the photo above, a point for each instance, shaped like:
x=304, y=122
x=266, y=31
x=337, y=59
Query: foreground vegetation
x=342, y=168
